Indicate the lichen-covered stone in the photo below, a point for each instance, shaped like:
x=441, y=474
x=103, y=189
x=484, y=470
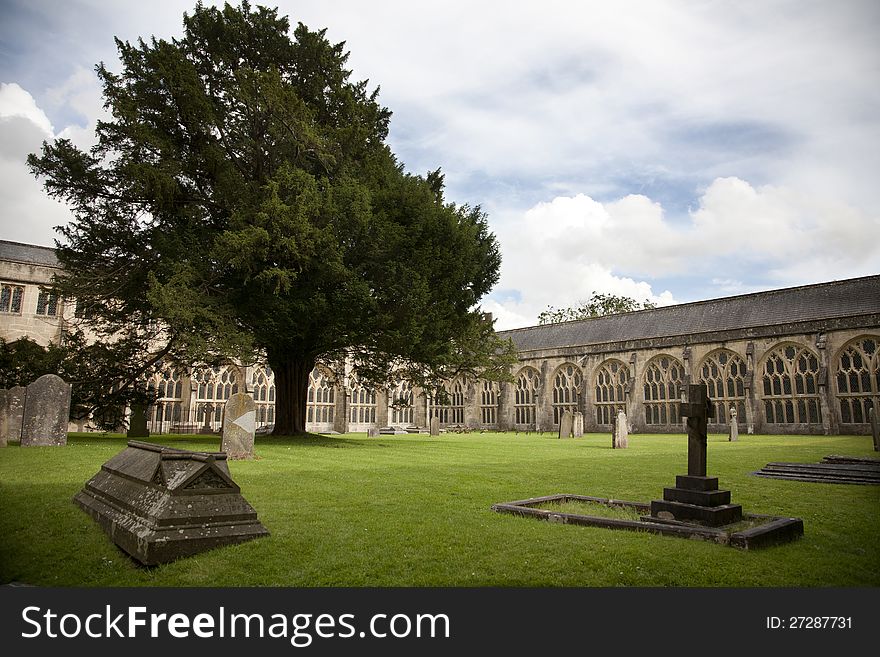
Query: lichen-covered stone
x=239, y=426
x=46, y=412
x=159, y=504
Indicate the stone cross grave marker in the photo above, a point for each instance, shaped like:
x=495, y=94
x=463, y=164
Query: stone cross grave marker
x=875, y=429
x=565, y=425
x=697, y=409
x=733, y=436
x=46, y=412
x=239, y=427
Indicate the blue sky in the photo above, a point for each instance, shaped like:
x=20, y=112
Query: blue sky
x=673, y=151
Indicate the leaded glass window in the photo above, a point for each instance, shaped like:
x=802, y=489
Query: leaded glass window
x=566, y=385
x=321, y=397
x=362, y=408
x=724, y=373
x=489, y=404
x=263, y=385
x=790, y=379
x=663, y=377
x=401, y=404
x=525, y=398
x=612, y=378
x=858, y=379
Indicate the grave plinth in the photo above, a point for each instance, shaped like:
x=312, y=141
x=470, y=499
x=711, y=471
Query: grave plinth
x=695, y=496
x=159, y=504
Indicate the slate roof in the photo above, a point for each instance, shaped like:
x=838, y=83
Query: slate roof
x=28, y=253
x=823, y=301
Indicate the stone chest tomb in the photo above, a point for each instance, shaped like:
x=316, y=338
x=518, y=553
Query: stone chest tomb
x=159, y=504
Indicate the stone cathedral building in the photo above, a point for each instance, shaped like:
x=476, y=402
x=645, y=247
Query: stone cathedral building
x=795, y=360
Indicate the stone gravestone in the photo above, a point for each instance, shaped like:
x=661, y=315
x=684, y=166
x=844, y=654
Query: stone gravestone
x=565, y=425
x=578, y=427
x=46, y=412
x=137, y=423
x=875, y=429
x=621, y=432
x=696, y=496
x=11, y=411
x=372, y=432
x=435, y=426
x=159, y=504
x=733, y=436
x=239, y=427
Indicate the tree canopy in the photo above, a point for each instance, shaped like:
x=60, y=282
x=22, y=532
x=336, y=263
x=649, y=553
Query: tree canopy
x=242, y=200
x=599, y=304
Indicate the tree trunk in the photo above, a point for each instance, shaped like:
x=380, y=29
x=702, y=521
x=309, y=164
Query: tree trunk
x=291, y=388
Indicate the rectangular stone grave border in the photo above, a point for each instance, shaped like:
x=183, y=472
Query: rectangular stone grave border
x=773, y=531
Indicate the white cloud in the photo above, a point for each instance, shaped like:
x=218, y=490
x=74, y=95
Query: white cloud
x=15, y=102
x=558, y=253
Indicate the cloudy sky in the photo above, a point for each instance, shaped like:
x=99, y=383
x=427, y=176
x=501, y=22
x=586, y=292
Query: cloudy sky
x=664, y=150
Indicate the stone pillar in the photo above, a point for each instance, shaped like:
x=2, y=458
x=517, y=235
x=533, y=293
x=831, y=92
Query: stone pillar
x=340, y=412
x=544, y=405
x=472, y=401
x=752, y=405
x=420, y=408
x=505, y=406
x=825, y=401
x=875, y=427
x=382, y=408
x=635, y=398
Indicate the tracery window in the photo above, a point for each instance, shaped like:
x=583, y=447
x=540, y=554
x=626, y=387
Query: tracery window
x=47, y=303
x=263, y=385
x=791, y=386
x=168, y=386
x=401, y=404
x=489, y=404
x=858, y=379
x=214, y=385
x=10, y=298
x=525, y=398
x=321, y=401
x=724, y=373
x=663, y=377
x=362, y=409
x=452, y=412
x=612, y=378
x=566, y=384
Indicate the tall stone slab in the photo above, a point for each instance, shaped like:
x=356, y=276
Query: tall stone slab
x=566, y=425
x=621, y=432
x=239, y=426
x=11, y=414
x=435, y=426
x=875, y=427
x=46, y=412
x=733, y=436
x=577, y=429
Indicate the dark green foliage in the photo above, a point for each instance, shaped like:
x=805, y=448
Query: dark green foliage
x=598, y=306
x=242, y=197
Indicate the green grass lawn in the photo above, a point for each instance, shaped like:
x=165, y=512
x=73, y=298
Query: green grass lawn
x=414, y=510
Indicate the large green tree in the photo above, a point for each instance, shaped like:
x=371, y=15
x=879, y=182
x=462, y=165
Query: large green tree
x=242, y=199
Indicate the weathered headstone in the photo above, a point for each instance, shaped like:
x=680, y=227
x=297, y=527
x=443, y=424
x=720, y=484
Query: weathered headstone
x=11, y=410
x=137, y=422
x=239, y=426
x=46, y=412
x=159, y=504
x=875, y=427
x=578, y=426
x=733, y=436
x=621, y=432
x=372, y=432
x=565, y=424
x=435, y=426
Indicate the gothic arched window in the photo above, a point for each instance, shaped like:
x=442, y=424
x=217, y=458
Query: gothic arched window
x=663, y=377
x=790, y=378
x=612, y=378
x=724, y=373
x=566, y=385
x=858, y=379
